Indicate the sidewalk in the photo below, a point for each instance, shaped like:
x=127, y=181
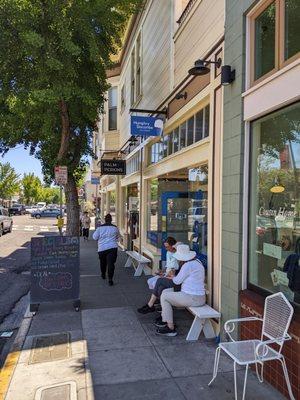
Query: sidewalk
x=110, y=352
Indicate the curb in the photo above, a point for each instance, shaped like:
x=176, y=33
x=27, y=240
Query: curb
x=11, y=361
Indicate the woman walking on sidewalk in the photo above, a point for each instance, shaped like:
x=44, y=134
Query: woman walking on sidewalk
x=86, y=224
x=108, y=236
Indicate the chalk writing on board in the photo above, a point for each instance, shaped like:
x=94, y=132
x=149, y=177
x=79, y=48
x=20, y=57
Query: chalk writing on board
x=56, y=281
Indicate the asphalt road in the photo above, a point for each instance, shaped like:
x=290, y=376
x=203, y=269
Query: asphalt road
x=15, y=258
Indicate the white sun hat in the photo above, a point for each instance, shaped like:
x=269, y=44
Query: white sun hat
x=183, y=253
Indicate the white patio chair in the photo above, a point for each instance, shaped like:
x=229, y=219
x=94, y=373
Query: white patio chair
x=278, y=313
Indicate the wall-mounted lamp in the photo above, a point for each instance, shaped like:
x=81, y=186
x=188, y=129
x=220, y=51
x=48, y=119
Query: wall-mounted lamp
x=200, y=67
x=181, y=96
x=227, y=75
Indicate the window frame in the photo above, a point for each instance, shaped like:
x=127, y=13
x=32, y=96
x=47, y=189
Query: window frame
x=138, y=68
x=249, y=285
x=253, y=16
x=123, y=98
x=132, y=78
x=110, y=108
x=280, y=62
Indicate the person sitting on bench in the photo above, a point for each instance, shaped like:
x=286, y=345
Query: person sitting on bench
x=171, y=263
x=191, y=277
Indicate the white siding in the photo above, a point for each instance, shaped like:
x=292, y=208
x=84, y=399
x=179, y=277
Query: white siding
x=198, y=35
x=156, y=33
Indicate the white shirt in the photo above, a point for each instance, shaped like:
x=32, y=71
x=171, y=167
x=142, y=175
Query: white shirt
x=191, y=278
x=171, y=262
x=107, y=236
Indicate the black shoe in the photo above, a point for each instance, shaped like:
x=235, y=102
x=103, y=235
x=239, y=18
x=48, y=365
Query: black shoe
x=159, y=322
x=146, y=309
x=110, y=283
x=158, y=308
x=166, y=331
x=157, y=302
x=103, y=276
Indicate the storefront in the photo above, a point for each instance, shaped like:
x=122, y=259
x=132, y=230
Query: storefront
x=177, y=206
x=274, y=214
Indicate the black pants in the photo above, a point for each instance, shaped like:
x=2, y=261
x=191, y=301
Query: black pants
x=107, y=262
x=85, y=232
x=162, y=284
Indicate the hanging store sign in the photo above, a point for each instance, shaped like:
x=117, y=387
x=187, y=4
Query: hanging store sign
x=113, y=167
x=146, y=126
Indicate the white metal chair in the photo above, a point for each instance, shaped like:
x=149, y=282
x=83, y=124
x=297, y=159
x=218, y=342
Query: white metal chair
x=278, y=313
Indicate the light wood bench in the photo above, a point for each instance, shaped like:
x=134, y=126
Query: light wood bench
x=202, y=315
x=138, y=262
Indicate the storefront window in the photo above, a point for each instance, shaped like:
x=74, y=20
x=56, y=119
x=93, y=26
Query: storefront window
x=199, y=126
x=265, y=41
x=182, y=136
x=177, y=206
x=292, y=28
x=112, y=204
x=274, y=247
x=190, y=131
x=176, y=140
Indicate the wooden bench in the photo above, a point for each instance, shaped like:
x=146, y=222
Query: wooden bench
x=203, y=315
x=138, y=262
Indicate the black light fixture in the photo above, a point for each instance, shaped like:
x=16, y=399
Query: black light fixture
x=227, y=75
x=200, y=67
x=182, y=95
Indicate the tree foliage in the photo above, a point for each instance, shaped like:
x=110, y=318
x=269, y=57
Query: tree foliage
x=31, y=188
x=9, y=181
x=53, y=60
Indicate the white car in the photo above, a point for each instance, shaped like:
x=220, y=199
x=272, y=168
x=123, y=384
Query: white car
x=31, y=209
x=6, y=222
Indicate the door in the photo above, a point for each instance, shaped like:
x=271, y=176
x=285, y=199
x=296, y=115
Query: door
x=184, y=217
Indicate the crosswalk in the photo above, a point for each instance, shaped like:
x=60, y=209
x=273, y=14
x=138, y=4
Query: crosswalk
x=36, y=228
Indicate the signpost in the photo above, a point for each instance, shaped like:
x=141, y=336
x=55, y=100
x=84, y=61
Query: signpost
x=61, y=178
x=113, y=167
x=54, y=270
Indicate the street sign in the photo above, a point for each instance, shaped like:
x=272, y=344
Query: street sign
x=146, y=126
x=61, y=175
x=95, y=180
x=113, y=167
x=54, y=269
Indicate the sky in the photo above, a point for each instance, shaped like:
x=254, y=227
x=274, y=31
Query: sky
x=22, y=162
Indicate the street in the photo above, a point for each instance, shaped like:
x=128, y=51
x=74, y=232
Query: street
x=15, y=258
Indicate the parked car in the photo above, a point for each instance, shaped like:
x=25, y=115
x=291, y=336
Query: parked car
x=41, y=205
x=6, y=222
x=47, y=212
x=17, y=209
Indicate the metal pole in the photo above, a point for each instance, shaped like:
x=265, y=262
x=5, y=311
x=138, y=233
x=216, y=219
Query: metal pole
x=60, y=200
x=141, y=196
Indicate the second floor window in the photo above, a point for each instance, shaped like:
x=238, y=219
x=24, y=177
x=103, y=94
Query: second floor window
x=112, y=108
x=132, y=94
x=138, y=67
x=275, y=32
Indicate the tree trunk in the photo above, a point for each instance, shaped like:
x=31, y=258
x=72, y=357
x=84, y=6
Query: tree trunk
x=70, y=188
x=72, y=207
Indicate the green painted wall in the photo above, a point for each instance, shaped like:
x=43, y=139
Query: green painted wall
x=233, y=158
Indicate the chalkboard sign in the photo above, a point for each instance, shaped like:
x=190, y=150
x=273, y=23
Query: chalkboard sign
x=54, y=269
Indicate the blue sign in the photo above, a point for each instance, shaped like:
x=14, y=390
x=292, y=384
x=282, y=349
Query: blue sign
x=95, y=181
x=146, y=126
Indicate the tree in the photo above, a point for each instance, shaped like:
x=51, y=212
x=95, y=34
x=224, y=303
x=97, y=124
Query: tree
x=53, y=60
x=32, y=188
x=9, y=181
x=49, y=194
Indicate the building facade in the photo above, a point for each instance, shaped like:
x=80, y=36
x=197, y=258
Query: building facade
x=261, y=166
x=173, y=183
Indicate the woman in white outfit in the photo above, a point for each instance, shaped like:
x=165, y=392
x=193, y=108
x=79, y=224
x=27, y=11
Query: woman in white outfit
x=171, y=266
x=191, y=277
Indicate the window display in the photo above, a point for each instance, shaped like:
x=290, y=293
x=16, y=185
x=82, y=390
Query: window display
x=274, y=248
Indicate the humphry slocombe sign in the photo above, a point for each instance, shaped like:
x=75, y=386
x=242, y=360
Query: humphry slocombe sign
x=113, y=167
x=54, y=269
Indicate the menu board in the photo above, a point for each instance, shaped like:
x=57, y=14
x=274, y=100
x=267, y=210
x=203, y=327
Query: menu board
x=54, y=269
